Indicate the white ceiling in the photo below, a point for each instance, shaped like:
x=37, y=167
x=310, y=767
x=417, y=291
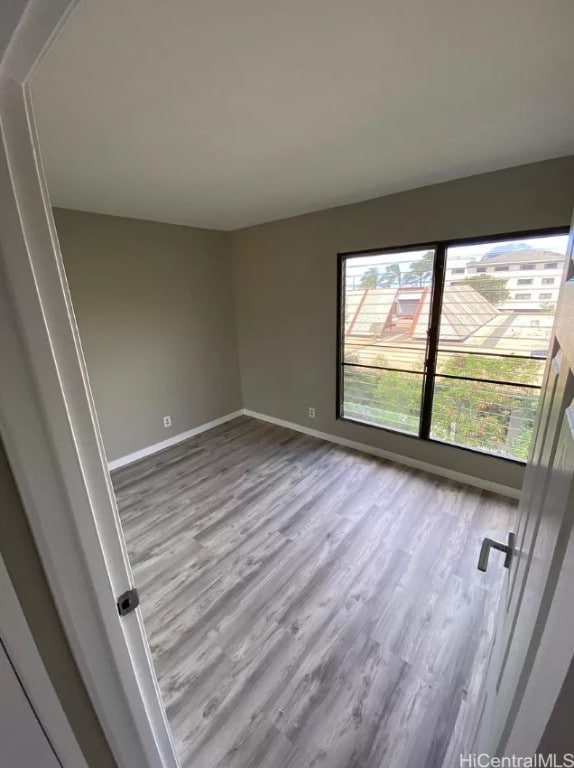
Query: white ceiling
x=225, y=113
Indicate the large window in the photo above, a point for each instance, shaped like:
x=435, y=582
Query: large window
x=434, y=344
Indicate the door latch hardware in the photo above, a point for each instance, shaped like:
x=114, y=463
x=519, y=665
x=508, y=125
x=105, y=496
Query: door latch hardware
x=489, y=544
x=128, y=602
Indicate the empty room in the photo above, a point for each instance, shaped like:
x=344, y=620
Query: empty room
x=308, y=307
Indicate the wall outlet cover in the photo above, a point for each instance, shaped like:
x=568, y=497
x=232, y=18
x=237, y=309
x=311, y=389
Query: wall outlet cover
x=311, y=413
x=167, y=421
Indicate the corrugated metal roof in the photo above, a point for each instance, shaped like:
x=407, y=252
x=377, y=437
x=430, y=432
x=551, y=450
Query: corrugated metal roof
x=368, y=312
x=464, y=310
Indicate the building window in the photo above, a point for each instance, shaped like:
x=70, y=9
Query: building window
x=552, y=265
x=548, y=280
x=442, y=358
x=524, y=281
x=527, y=266
x=501, y=268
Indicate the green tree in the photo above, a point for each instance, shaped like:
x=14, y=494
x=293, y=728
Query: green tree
x=420, y=272
x=391, y=277
x=492, y=288
x=481, y=415
x=388, y=398
x=487, y=415
x=370, y=279
x=519, y=369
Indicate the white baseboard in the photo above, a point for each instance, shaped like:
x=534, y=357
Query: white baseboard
x=460, y=477
x=398, y=458
x=156, y=447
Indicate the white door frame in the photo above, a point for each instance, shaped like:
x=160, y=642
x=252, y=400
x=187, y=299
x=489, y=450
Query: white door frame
x=27, y=662
x=49, y=425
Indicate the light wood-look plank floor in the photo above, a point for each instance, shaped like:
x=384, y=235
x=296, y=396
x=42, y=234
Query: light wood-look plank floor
x=307, y=605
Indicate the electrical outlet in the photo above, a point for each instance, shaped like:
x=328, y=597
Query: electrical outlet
x=167, y=421
x=311, y=413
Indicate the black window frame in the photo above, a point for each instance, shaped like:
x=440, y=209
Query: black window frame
x=440, y=248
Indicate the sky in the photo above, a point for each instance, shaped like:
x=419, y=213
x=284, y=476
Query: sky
x=466, y=253
x=357, y=265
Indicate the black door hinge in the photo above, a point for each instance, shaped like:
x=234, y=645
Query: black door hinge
x=128, y=602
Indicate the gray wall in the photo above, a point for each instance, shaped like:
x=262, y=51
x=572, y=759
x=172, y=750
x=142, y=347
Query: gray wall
x=23, y=564
x=155, y=310
x=285, y=289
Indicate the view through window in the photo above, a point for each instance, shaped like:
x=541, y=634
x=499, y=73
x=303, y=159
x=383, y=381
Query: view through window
x=457, y=356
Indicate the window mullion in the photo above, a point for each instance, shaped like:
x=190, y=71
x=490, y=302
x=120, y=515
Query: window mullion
x=432, y=340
